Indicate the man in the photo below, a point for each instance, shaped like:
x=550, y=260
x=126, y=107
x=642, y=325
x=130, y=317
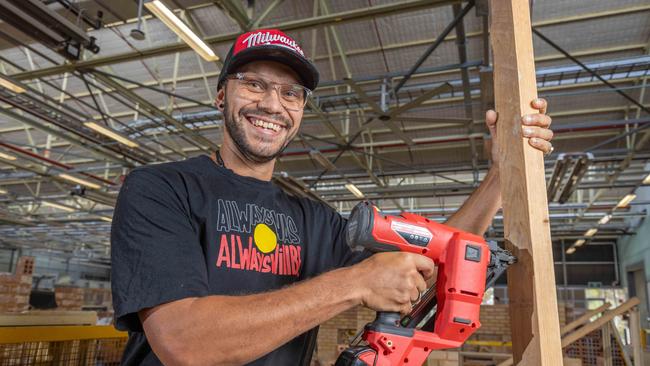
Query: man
x=213, y=264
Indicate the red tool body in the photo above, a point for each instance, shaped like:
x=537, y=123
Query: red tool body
x=462, y=260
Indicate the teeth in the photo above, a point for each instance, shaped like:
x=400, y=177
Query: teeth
x=267, y=125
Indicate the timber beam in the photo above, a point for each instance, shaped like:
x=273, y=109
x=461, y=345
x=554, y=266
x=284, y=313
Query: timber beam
x=531, y=281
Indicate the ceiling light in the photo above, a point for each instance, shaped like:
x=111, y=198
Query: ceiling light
x=589, y=233
x=3, y=191
x=626, y=200
x=571, y=250
x=578, y=243
x=183, y=31
x=646, y=180
x=605, y=219
x=354, y=190
x=56, y=205
x=7, y=156
x=106, y=218
x=110, y=133
x=79, y=181
x=11, y=86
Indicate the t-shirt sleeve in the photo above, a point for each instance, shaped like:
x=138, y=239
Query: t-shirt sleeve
x=156, y=253
x=330, y=240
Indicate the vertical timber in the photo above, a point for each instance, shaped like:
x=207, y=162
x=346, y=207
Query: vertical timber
x=531, y=282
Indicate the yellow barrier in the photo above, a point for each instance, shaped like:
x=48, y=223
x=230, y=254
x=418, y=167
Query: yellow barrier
x=489, y=343
x=61, y=345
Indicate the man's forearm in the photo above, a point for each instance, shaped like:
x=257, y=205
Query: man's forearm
x=239, y=329
x=476, y=214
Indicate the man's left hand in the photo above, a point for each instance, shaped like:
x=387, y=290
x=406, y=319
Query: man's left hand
x=535, y=127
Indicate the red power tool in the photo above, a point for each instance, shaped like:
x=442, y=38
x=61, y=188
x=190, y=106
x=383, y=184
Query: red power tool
x=448, y=313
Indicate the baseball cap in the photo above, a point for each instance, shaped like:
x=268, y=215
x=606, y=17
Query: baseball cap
x=271, y=45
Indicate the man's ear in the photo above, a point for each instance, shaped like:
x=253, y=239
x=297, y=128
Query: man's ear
x=220, y=99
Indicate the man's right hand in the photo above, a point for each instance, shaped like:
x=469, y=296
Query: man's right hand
x=393, y=281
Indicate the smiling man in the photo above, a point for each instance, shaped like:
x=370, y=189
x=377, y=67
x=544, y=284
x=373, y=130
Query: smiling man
x=213, y=264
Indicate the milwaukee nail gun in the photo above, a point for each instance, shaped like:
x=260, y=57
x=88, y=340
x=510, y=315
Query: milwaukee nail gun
x=448, y=313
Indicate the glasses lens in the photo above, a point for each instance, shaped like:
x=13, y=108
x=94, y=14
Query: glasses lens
x=293, y=96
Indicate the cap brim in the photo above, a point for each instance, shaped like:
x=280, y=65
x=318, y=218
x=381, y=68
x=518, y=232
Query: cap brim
x=303, y=67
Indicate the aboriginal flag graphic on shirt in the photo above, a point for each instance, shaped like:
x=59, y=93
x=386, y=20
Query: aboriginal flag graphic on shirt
x=254, y=238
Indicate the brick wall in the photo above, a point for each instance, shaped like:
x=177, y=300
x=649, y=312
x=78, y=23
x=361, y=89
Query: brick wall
x=73, y=298
x=15, y=287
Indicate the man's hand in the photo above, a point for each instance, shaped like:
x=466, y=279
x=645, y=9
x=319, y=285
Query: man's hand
x=394, y=280
x=535, y=128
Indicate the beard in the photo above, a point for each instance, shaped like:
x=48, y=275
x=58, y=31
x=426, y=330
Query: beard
x=236, y=130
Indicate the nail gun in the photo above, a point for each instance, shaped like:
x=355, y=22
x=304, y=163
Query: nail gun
x=448, y=313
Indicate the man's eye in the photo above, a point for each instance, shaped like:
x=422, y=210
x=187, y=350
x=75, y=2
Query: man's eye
x=255, y=84
x=292, y=93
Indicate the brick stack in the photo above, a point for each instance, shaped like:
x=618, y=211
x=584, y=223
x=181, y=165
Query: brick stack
x=443, y=358
x=97, y=297
x=69, y=298
x=15, y=287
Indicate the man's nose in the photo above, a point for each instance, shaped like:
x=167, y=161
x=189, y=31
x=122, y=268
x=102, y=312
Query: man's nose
x=270, y=102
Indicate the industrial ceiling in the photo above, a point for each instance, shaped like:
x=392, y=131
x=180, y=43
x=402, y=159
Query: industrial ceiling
x=398, y=113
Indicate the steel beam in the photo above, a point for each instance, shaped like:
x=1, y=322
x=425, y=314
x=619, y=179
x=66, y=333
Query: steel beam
x=321, y=20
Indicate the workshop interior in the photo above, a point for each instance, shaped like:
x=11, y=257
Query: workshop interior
x=393, y=139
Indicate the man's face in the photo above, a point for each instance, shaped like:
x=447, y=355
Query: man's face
x=259, y=129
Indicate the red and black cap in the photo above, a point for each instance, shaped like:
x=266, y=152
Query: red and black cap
x=272, y=45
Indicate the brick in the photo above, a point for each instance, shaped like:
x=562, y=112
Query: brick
x=438, y=355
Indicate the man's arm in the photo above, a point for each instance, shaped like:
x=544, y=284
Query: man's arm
x=232, y=330
x=477, y=212
x=475, y=215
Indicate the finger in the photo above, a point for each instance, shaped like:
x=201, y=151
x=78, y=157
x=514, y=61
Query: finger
x=541, y=145
x=491, y=118
x=424, y=265
x=540, y=120
x=421, y=284
x=542, y=133
x=415, y=295
x=406, y=309
x=540, y=104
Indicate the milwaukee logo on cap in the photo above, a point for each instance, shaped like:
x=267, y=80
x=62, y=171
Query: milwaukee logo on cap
x=269, y=37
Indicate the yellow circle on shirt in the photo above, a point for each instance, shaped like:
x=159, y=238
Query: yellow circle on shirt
x=265, y=238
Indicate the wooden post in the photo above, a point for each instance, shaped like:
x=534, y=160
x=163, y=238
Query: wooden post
x=635, y=337
x=606, y=333
x=534, y=317
x=619, y=342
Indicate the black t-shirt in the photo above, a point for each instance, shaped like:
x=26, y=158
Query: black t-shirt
x=193, y=228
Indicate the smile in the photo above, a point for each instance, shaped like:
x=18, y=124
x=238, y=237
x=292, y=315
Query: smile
x=265, y=124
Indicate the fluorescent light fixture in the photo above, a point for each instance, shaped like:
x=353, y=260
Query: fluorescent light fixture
x=626, y=200
x=571, y=250
x=11, y=86
x=79, y=181
x=181, y=29
x=56, y=205
x=106, y=218
x=646, y=180
x=3, y=191
x=7, y=156
x=589, y=233
x=605, y=219
x=354, y=190
x=110, y=133
x=579, y=242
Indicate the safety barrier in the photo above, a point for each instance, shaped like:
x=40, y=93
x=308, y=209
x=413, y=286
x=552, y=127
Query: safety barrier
x=67, y=345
